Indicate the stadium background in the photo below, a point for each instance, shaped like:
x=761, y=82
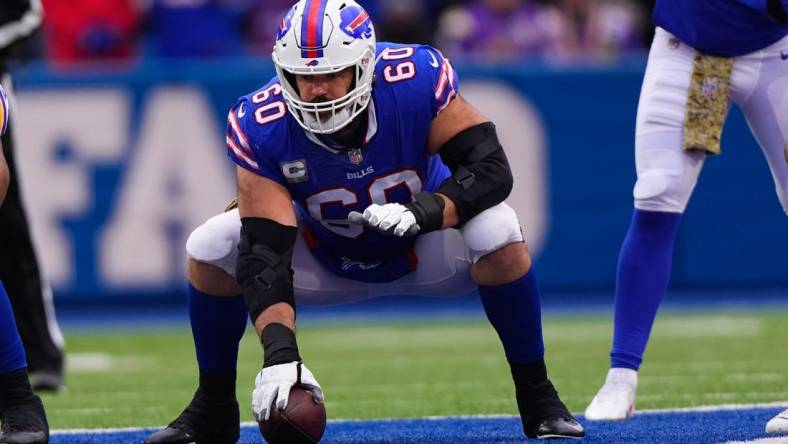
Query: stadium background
x=123, y=149
x=119, y=168
x=121, y=154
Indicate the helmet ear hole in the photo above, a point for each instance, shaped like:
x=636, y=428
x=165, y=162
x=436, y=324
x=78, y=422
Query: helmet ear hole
x=291, y=79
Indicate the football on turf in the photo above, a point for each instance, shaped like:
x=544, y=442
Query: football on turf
x=303, y=421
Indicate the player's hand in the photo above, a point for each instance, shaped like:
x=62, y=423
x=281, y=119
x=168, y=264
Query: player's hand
x=275, y=382
x=391, y=218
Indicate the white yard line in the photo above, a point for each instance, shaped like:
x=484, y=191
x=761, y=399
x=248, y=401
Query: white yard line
x=777, y=440
x=104, y=362
x=718, y=408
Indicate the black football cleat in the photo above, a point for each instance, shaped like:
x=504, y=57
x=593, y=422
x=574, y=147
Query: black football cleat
x=559, y=427
x=204, y=421
x=24, y=422
x=543, y=414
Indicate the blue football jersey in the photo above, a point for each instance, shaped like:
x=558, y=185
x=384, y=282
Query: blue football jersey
x=720, y=27
x=413, y=84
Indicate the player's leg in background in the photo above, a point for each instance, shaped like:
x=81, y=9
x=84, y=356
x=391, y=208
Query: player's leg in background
x=778, y=424
x=510, y=296
x=218, y=319
x=21, y=411
x=666, y=177
x=30, y=295
x=760, y=88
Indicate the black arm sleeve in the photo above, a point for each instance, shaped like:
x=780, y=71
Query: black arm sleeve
x=481, y=177
x=264, y=270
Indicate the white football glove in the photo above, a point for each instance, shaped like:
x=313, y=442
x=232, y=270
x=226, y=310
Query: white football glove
x=391, y=218
x=276, y=382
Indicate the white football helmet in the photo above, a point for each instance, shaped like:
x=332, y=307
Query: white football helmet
x=323, y=37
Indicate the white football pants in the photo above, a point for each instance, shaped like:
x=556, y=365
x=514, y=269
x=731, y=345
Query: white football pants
x=444, y=258
x=759, y=86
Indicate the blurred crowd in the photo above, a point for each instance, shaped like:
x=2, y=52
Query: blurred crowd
x=483, y=30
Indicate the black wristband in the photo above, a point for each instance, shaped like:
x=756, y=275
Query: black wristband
x=279, y=343
x=428, y=210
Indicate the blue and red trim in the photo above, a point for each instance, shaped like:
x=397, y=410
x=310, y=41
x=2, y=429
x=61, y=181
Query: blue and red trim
x=312, y=29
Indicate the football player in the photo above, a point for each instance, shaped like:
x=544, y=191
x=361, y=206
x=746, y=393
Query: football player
x=361, y=172
x=21, y=411
x=29, y=291
x=705, y=54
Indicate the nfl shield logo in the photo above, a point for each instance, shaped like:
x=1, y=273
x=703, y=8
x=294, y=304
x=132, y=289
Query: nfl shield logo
x=355, y=156
x=710, y=87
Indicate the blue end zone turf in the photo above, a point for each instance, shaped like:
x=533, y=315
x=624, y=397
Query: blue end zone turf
x=668, y=427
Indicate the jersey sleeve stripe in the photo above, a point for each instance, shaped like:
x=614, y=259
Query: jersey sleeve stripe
x=445, y=79
x=446, y=82
x=450, y=73
x=237, y=130
x=240, y=154
x=232, y=136
x=442, y=81
x=448, y=100
x=3, y=112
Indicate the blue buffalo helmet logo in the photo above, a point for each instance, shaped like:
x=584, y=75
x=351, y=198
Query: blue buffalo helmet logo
x=285, y=24
x=356, y=22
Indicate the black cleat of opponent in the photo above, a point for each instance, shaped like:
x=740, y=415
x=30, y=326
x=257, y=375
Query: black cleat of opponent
x=205, y=420
x=543, y=414
x=24, y=422
x=47, y=380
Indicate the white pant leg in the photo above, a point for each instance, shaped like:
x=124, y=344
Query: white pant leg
x=216, y=241
x=666, y=173
x=443, y=268
x=759, y=86
x=444, y=262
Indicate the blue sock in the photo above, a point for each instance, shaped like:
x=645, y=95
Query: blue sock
x=641, y=282
x=514, y=311
x=218, y=323
x=12, y=353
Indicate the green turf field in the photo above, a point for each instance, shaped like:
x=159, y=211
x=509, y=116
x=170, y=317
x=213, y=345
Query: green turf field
x=127, y=379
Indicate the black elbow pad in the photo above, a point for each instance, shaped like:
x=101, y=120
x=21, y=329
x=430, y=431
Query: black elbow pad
x=481, y=177
x=264, y=270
